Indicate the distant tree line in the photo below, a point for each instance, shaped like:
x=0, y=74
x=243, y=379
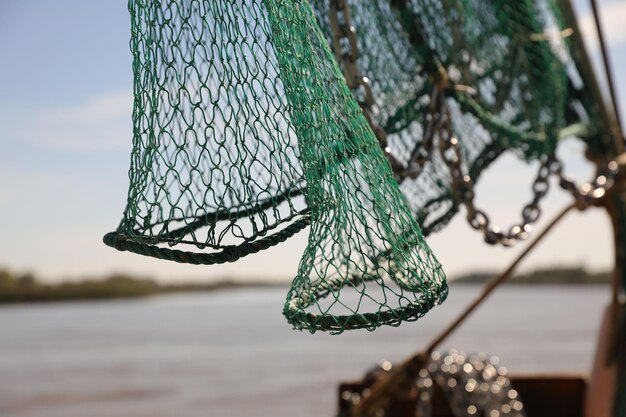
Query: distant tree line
x=26, y=287
x=549, y=276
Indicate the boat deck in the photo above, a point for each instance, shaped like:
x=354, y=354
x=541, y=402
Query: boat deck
x=543, y=396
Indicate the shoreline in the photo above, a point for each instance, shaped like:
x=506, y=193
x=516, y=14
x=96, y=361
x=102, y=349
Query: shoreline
x=27, y=289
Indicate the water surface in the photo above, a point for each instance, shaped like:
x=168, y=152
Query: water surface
x=232, y=353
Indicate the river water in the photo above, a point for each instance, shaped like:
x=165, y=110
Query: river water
x=231, y=353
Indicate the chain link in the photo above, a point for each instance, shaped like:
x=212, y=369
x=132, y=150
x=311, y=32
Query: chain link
x=590, y=193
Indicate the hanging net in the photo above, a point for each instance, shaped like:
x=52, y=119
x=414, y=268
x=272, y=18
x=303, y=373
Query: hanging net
x=491, y=75
x=367, y=121
x=245, y=132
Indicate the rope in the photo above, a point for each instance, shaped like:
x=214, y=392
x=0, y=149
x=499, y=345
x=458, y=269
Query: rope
x=227, y=254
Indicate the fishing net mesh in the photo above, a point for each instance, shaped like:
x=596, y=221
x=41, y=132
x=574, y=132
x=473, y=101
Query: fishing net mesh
x=247, y=129
x=511, y=84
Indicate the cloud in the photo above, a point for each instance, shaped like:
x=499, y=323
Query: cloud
x=100, y=122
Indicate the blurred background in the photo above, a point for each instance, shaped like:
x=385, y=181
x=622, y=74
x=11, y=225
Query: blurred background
x=219, y=347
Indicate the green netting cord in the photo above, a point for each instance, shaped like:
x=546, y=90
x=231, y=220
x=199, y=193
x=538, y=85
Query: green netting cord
x=215, y=162
x=365, y=250
x=244, y=133
x=508, y=83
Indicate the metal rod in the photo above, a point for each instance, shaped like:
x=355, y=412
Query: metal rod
x=392, y=382
x=607, y=66
x=497, y=280
x=613, y=210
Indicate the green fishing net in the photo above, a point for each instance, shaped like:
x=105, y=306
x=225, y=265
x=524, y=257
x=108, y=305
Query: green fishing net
x=248, y=126
x=245, y=132
x=513, y=83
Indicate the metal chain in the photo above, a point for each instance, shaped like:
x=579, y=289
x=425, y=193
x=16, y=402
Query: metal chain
x=463, y=186
x=346, y=50
x=345, y=47
x=437, y=123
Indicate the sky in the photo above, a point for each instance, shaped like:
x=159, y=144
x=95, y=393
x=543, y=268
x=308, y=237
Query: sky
x=65, y=140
